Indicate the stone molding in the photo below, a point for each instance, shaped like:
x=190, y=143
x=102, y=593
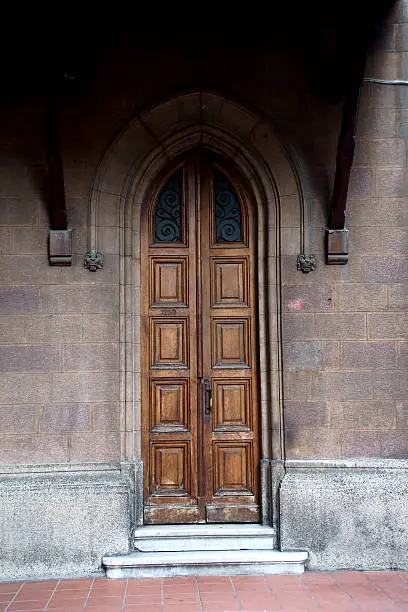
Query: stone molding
x=347, y=464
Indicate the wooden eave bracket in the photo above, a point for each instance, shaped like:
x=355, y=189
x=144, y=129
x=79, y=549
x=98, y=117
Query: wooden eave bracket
x=336, y=232
x=60, y=247
x=60, y=235
x=337, y=246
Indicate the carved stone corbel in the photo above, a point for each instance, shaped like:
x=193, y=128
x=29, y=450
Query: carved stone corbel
x=306, y=263
x=93, y=261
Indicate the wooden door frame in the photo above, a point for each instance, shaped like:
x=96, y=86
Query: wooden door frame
x=179, y=507
x=262, y=321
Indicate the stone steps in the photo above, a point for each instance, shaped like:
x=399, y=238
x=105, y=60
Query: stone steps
x=173, y=538
x=203, y=563
x=203, y=550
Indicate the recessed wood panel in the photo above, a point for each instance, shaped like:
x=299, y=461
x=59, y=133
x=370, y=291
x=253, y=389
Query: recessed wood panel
x=168, y=282
x=232, y=403
x=230, y=339
x=233, y=468
x=229, y=282
x=171, y=468
x=169, y=343
x=169, y=400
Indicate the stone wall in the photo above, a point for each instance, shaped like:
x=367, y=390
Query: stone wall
x=58, y=326
x=345, y=328
x=339, y=390
x=347, y=514
x=59, y=522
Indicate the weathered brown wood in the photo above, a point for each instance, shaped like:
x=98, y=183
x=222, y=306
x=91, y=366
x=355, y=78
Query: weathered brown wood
x=60, y=237
x=346, y=145
x=169, y=361
x=57, y=205
x=199, y=337
x=231, y=446
x=337, y=234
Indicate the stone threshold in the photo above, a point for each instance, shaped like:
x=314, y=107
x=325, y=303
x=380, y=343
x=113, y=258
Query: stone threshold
x=204, y=563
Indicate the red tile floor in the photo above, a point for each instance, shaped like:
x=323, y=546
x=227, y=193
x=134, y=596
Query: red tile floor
x=331, y=591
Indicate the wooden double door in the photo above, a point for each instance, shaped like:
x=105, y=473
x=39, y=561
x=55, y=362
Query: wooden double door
x=199, y=346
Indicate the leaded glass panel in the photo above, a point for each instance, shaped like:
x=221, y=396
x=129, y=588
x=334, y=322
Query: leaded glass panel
x=228, y=212
x=168, y=214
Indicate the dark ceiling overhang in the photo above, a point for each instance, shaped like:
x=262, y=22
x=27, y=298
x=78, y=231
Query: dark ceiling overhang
x=55, y=57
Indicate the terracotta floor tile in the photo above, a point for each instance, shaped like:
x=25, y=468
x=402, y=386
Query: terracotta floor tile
x=10, y=587
x=213, y=580
x=217, y=596
x=143, y=608
x=326, y=592
x=258, y=600
x=25, y=606
x=5, y=598
x=69, y=595
x=255, y=588
x=139, y=588
x=260, y=605
x=181, y=597
x=181, y=602
x=34, y=590
x=213, y=588
x=102, y=580
x=108, y=588
x=106, y=597
x=74, y=592
x=138, y=599
x=176, y=586
x=106, y=608
x=179, y=580
x=39, y=600
x=180, y=593
x=181, y=607
x=67, y=608
x=45, y=584
x=145, y=581
x=219, y=605
x=316, y=578
x=68, y=583
x=282, y=580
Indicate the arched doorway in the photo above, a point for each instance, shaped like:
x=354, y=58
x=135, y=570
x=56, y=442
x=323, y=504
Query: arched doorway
x=200, y=346
x=125, y=175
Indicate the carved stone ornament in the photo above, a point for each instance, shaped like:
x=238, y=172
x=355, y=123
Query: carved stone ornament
x=306, y=263
x=93, y=260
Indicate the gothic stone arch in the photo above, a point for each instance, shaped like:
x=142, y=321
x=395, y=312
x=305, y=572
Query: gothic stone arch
x=130, y=164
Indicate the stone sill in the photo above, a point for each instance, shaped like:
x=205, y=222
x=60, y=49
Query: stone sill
x=59, y=467
x=348, y=464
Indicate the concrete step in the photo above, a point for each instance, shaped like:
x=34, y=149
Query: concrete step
x=173, y=538
x=203, y=563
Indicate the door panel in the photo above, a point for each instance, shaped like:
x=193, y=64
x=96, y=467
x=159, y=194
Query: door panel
x=231, y=404
x=229, y=285
x=231, y=343
x=169, y=343
x=199, y=356
x=169, y=281
x=169, y=406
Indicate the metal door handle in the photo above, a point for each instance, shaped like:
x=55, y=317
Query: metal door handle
x=207, y=400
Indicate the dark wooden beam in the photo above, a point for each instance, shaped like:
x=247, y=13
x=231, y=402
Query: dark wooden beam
x=336, y=233
x=57, y=206
x=60, y=239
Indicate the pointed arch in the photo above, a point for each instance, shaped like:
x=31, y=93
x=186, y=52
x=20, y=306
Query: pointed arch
x=124, y=176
